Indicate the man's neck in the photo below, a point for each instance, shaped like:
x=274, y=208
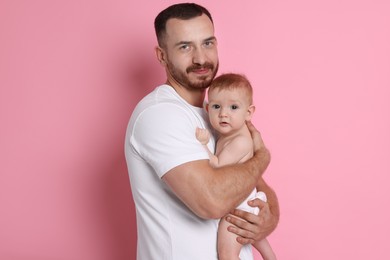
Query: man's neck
x=193, y=97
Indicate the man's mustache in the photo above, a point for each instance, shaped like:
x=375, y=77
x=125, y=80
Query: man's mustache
x=198, y=67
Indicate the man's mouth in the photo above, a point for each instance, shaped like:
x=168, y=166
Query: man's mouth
x=200, y=69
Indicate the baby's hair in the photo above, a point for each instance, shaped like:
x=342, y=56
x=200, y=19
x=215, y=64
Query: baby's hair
x=231, y=81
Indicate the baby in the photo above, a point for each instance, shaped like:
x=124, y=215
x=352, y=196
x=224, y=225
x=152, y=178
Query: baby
x=229, y=107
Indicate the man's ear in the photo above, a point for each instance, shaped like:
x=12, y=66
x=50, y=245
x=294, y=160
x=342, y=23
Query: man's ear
x=160, y=54
x=251, y=111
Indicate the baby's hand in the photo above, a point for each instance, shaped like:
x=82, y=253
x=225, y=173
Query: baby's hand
x=202, y=135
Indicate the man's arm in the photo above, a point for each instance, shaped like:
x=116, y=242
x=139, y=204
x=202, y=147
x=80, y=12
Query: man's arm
x=213, y=192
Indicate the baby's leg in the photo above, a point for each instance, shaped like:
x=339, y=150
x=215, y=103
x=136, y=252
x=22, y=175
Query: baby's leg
x=263, y=246
x=228, y=247
x=265, y=249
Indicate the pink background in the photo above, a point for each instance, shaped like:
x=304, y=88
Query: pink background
x=71, y=73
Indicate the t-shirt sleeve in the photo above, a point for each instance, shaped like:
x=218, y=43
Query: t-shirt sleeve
x=164, y=136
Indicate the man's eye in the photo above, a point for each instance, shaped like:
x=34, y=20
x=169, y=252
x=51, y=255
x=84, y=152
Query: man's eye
x=209, y=43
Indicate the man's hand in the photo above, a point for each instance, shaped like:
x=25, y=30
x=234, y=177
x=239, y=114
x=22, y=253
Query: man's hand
x=250, y=227
x=260, y=151
x=258, y=143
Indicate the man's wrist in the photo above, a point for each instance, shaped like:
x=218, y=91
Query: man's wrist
x=262, y=158
x=263, y=155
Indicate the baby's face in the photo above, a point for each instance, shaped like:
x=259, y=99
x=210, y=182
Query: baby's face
x=228, y=110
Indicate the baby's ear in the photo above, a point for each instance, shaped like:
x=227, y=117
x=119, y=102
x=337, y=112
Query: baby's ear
x=206, y=107
x=251, y=111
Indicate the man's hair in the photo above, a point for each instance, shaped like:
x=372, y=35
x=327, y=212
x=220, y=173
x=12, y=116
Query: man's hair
x=183, y=11
x=231, y=81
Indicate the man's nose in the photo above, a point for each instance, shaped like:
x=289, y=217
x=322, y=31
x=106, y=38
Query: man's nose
x=199, y=56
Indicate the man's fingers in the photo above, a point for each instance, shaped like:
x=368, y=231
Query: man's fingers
x=241, y=229
x=251, y=127
x=248, y=226
x=256, y=136
x=257, y=203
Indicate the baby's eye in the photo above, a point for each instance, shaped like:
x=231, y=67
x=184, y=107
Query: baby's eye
x=234, y=107
x=215, y=106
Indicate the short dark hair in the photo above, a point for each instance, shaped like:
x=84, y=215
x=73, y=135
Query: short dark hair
x=183, y=11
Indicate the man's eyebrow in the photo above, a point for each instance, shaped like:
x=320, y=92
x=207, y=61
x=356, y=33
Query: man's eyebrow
x=212, y=38
x=182, y=43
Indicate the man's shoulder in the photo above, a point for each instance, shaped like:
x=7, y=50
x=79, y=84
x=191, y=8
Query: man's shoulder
x=160, y=96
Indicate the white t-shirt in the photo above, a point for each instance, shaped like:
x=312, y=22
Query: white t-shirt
x=161, y=136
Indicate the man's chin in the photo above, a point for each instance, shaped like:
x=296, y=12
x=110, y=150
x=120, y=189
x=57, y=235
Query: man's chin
x=202, y=84
x=202, y=81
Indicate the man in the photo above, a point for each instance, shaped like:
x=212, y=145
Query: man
x=179, y=197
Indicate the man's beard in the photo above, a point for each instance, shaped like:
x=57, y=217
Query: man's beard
x=203, y=82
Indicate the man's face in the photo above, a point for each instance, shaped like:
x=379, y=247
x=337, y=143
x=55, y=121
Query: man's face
x=190, y=51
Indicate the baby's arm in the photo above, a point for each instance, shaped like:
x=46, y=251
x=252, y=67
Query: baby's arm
x=236, y=151
x=203, y=136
